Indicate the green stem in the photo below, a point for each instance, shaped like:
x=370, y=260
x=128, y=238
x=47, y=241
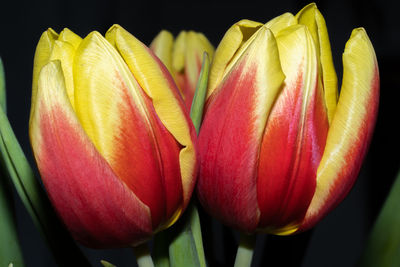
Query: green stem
x=245, y=250
x=143, y=256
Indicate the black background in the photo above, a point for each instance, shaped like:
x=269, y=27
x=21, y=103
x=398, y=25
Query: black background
x=338, y=239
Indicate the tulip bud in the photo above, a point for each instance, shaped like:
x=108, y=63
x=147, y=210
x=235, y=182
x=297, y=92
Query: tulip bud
x=111, y=137
x=279, y=150
x=183, y=58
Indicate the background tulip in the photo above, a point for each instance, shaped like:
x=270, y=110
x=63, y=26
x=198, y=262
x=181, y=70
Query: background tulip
x=279, y=150
x=183, y=57
x=111, y=137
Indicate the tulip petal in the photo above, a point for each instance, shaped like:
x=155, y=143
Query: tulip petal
x=197, y=44
x=96, y=206
x=159, y=86
x=275, y=25
x=351, y=130
x=315, y=22
x=162, y=46
x=65, y=52
x=121, y=121
x=238, y=34
x=231, y=133
x=294, y=137
x=281, y=22
x=70, y=37
x=187, y=56
x=178, y=53
x=42, y=55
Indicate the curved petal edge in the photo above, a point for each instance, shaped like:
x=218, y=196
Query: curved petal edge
x=351, y=130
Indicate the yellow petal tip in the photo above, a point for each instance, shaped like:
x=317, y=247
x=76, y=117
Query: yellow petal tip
x=308, y=8
x=248, y=23
x=359, y=30
x=51, y=31
x=311, y=5
x=94, y=35
x=114, y=27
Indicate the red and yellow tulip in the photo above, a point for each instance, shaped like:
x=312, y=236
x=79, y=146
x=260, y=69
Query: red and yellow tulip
x=279, y=149
x=111, y=137
x=183, y=58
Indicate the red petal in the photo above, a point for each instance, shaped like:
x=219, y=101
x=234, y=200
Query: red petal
x=147, y=160
x=120, y=119
x=294, y=138
x=96, y=206
x=231, y=133
x=291, y=151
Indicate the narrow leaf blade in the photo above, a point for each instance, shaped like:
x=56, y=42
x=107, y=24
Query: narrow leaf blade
x=182, y=251
x=3, y=102
x=196, y=111
x=10, y=250
x=196, y=233
x=186, y=248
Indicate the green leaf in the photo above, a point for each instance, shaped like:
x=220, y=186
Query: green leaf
x=107, y=264
x=10, y=250
x=35, y=200
x=383, y=246
x=186, y=248
x=196, y=111
x=3, y=102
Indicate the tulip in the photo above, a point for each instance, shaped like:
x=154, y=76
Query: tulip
x=112, y=140
x=279, y=149
x=183, y=58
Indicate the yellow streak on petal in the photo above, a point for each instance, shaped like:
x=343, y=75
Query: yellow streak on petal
x=351, y=116
x=171, y=220
x=51, y=93
x=100, y=78
x=233, y=39
x=65, y=52
x=298, y=54
x=42, y=54
x=311, y=17
x=275, y=25
x=154, y=82
x=287, y=230
x=264, y=49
